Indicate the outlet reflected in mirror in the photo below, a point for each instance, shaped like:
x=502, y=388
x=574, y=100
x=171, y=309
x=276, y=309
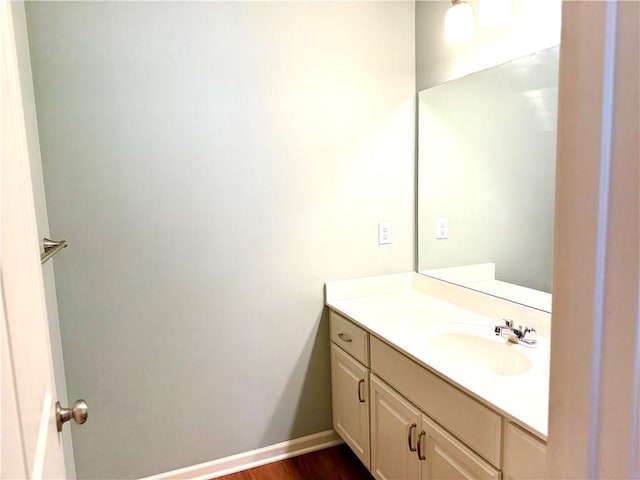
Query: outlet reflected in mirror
x=486, y=164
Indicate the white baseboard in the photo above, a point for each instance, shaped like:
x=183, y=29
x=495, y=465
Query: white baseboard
x=253, y=458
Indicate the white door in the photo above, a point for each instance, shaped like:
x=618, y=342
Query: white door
x=42, y=221
x=31, y=445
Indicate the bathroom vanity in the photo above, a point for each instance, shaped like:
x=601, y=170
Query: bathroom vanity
x=422, y=387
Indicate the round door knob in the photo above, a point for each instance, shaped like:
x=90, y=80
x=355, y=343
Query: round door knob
x=79, y=412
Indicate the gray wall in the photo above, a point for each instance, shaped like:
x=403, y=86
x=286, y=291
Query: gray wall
x=212, y=165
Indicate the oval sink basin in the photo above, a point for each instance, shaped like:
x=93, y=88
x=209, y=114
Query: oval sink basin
x=473, y=352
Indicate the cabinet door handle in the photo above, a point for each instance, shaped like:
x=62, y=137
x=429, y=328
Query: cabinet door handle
x=344, y=337
x=360, y=384
x=412, y=429
x=421, y=455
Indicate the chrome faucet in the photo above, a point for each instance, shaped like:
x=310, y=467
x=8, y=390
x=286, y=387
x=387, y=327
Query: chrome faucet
x=515, y=335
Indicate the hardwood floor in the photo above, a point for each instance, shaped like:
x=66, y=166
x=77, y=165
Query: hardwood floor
x=335, y=463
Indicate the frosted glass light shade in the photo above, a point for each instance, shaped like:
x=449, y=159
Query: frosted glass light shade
x=459, y=23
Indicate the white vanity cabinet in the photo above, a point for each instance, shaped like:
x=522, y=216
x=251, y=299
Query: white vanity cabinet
x=407, y=423
x=350, y=389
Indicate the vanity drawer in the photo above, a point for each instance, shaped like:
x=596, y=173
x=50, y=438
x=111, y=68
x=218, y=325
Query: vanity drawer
x=473, y=423
x=348, y=336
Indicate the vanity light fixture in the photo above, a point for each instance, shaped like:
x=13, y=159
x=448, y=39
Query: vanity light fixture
x=459, y=22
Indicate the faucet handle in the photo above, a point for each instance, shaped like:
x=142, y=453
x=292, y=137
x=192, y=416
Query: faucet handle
x=528, y=341
x=508, y=323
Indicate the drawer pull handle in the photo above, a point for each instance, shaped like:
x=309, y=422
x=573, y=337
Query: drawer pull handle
x=421, y=455
x=344, y=337
x=360, y=384
x=412, y=429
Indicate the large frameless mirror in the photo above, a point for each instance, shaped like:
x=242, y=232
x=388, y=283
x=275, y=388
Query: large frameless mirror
x=486, y=179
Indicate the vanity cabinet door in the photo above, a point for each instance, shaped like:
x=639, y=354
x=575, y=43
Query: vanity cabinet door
x=395, y=425
x=350, y=392
x=524, y=455
x=447, y=458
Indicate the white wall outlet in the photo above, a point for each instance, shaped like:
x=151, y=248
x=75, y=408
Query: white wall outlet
x=442, y=228
x=384, y=233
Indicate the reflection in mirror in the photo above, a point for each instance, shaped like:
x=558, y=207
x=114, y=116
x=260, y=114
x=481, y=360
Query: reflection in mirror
x=486, y=179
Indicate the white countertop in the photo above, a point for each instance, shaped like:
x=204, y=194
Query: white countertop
x=409, y=319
